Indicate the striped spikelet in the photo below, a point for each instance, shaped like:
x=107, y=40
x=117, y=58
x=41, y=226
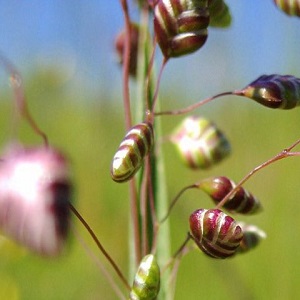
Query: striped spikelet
x=216, y=234
x=146, y=282
x=200, y=143
x=290, y=7
x=130, y=156
x=274, y=91
x=180, y=26
x=241, y=201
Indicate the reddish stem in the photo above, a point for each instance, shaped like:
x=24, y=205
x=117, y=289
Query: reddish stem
x=100, y=246
x=193, y=106
x=178, y=253
x=21, y=106
x=174, y=201
x=99, y=263
x=144, y=206
x=126, y=65
x=283, y=154
x=155, y=97
x=127, y=111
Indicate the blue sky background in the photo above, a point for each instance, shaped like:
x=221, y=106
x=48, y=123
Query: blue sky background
x=78, y=37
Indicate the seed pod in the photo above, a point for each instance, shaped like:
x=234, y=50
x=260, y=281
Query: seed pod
x=219, y=13
x=200, y=143
x=274, y=91
x=120, y=46
x=35, y=192
x=252, y=237
x=216, y=234
x=137, y=143
x=146, y=282
x=241, y=201
x=180, y=26
x=290, y=7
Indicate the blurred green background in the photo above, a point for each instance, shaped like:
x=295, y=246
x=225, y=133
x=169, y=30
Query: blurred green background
x=75, y=97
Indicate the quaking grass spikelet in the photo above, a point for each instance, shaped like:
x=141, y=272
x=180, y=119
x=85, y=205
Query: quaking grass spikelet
x=216, y=234
x=180, y=26
x=130, y=155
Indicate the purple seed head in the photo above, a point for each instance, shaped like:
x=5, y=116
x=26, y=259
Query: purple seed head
x=216, y=234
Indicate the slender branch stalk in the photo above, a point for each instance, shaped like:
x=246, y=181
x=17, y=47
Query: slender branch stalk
x=126, y=62
x=144, y=207
x=20, y=100
x=98, y=262
x=100, y=246
x=283, y=154
x=193, y=106
x=128, y=123
x=174, y=201
x=158, y=84
x=177, y=254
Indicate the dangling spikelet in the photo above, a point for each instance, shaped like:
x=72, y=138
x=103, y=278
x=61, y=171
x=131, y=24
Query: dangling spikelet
x=274, y=91
x=290, y=7
x=200, y=143
x=216, y=234
x=128, y=159
x=35, y=192
x=219, y=13
x=180, y=26
x=146, y=282
x=241, y=201
x=252, y=237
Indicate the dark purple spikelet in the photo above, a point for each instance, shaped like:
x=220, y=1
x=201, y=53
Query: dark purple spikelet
x=252, y=237
x=216, y=234
x=128, y=159
x=35, y=191
x=274, y=91
x=241, y=201
x=290, y=7
x=180, y=26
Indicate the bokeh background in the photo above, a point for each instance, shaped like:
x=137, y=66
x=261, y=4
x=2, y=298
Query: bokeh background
x=64, y=51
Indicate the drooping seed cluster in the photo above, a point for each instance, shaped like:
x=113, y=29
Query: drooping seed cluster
x=180, y=26
x=35, y=191
x=146, y=282
x=274, y=91
x=290, y=7
x=216, y=234
x=241, y=201
x=128, y=159
x=200, y=143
